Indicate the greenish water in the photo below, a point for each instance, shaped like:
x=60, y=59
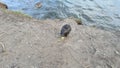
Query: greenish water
x=103, y=13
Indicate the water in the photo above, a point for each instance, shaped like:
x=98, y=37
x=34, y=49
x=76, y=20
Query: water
x=103, y=13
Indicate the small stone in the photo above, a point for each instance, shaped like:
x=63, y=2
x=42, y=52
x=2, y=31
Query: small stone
x=38, y=5
x=78, y=21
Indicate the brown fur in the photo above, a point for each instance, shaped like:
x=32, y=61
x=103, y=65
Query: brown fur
x=4, y=6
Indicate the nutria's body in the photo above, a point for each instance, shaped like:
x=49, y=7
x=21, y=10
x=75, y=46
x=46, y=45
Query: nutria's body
x=38, y=5
x=65, y=30
x=4, y=6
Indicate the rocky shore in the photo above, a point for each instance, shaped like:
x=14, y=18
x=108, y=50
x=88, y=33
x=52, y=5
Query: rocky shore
x=31, y=43
x=4, y=6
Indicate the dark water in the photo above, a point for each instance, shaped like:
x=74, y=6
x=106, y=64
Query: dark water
x=104, y=13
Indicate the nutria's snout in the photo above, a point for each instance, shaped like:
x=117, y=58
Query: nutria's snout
x=65, y=30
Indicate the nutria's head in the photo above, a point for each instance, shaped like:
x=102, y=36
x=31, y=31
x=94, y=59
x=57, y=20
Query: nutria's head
x=65, y=30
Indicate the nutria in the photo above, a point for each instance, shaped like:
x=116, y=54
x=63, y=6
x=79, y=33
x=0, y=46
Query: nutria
x=38, y=5
x=4, y=6
x=65, y=30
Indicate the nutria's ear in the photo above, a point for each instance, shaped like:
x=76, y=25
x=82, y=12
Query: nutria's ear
x=4, y=6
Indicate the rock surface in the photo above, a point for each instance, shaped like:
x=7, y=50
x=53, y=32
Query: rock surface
x=32, y=43
x=4, y=6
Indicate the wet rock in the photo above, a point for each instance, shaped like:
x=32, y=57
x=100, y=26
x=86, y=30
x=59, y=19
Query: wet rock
x=4, y=6
x=78, y=21
x=66, y=29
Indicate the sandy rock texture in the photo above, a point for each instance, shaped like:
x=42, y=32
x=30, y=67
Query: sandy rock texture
x=3, y=6
x=31, y=43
